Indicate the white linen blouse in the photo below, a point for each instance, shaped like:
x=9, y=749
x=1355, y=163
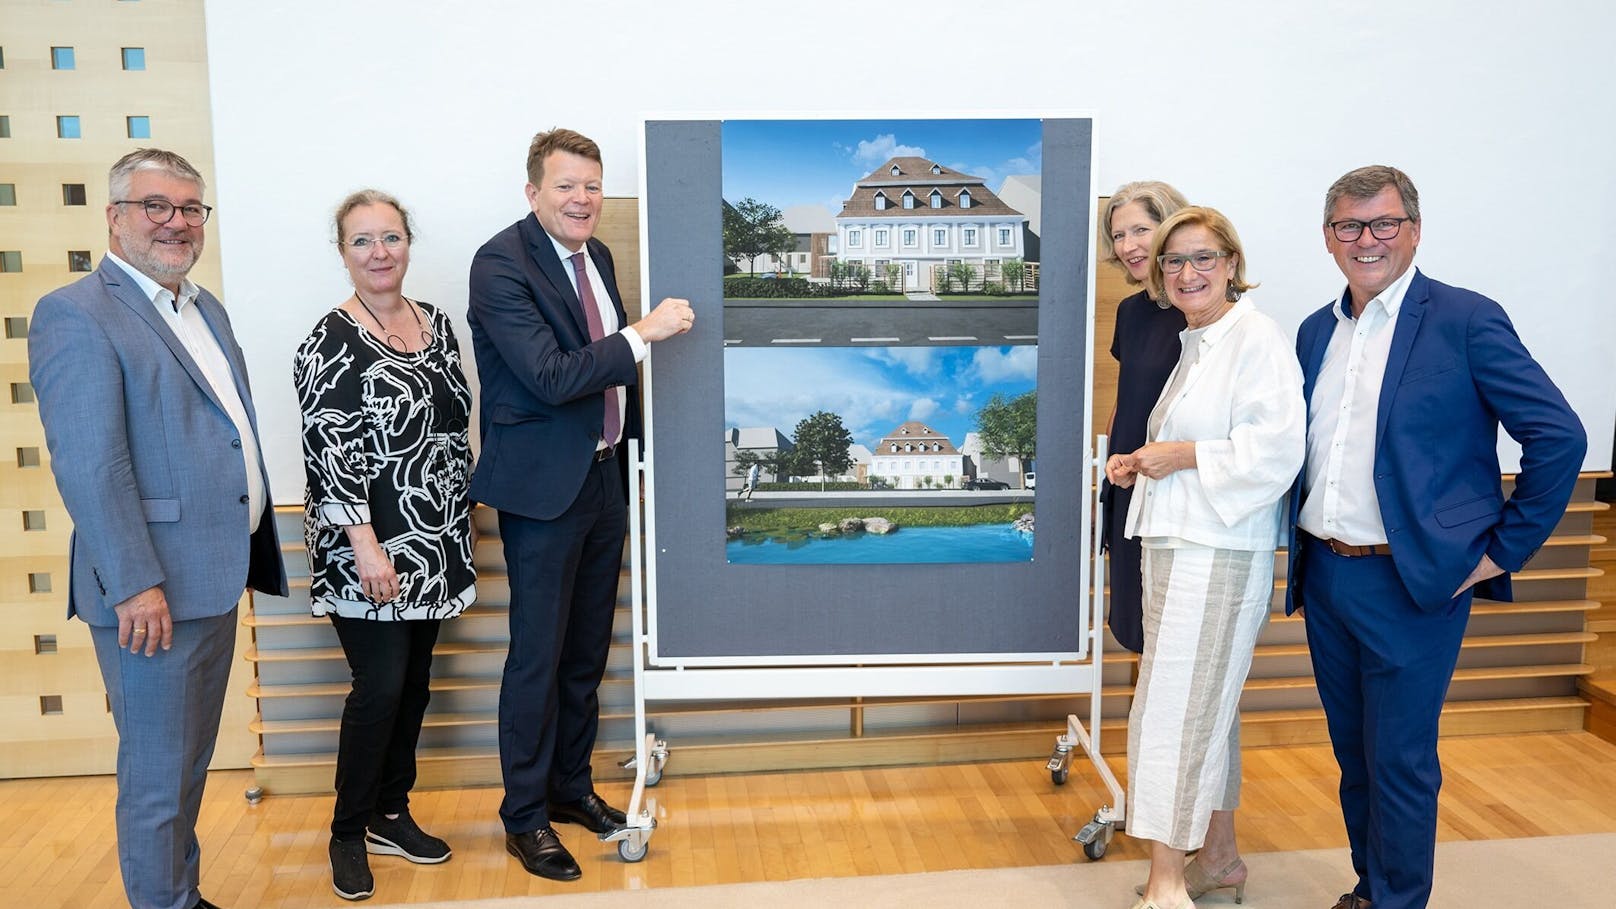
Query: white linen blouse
x=1241, y=404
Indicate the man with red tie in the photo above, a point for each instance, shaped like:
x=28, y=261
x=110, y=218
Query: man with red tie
x=557, y=371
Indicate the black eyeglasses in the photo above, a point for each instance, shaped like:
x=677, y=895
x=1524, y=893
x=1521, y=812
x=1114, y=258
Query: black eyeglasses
x=1349, y=229
x=159, y=211
x=1205, y=260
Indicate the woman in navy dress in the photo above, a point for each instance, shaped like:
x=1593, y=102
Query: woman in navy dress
x=1146, y=348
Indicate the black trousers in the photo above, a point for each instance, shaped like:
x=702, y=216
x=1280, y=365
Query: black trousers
x=381, y=720
x=563, y=576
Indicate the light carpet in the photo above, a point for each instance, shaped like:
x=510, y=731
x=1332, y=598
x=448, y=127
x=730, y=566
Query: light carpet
x=1550, y=872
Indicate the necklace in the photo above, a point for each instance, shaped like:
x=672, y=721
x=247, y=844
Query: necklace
x=390, y=339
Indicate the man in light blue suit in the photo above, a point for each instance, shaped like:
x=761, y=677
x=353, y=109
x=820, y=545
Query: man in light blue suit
x=153, y=442
x=1399, y=516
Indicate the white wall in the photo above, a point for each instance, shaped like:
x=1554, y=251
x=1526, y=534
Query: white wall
x=1499, y=111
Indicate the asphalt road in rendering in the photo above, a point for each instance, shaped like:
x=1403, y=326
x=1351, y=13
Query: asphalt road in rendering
x=895, y=499
x=770, y=323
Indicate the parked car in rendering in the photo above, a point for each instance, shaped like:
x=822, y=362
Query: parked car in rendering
x=986, y=483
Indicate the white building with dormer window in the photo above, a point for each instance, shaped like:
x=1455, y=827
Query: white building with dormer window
x=917, y=214
x=907, y=456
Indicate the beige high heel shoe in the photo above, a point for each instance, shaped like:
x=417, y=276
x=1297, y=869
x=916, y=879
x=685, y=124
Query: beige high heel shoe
x=1152, y=904
x=1198, y=883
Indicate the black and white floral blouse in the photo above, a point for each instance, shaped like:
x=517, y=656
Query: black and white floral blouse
x=385, y=442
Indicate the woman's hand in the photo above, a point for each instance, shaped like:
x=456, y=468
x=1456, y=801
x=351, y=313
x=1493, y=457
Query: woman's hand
x=1158, y=459
x=377, y=579
x=1121, y=470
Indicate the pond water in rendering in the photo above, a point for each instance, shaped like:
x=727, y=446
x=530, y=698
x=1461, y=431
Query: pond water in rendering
x=973, y=543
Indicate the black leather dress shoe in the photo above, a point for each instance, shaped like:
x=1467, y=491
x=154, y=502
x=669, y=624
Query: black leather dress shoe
x=202, y=903
x=591, y=811
x=541, y=853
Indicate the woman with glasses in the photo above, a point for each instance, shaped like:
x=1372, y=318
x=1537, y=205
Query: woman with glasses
x=387, y=523
x=1145, y=346
x=1223, y=445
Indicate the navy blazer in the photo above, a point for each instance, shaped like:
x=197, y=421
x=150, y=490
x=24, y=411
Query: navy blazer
x=542, y=379
x=1455, y=371
x=147, y=460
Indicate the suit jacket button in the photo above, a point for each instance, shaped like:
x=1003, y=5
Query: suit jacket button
x=235, y=443
x=245, y=500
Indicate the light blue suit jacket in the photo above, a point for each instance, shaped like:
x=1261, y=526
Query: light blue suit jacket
x=1455, y=371
x=148, y=462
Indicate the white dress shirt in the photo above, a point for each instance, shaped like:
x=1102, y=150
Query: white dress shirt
x=608, y=318
x=185, y=320
x=1241, y=404
x=1338, y=493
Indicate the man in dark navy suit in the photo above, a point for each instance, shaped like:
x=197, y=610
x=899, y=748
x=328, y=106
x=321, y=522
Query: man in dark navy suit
x=556, y=362
x=1399, y=515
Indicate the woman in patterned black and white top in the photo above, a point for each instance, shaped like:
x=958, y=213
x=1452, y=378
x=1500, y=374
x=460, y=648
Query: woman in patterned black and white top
x=387, y=523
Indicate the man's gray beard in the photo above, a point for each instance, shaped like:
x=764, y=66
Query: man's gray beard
x=157, y=270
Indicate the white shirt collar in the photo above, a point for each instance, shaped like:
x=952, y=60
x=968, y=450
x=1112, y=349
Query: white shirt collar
x=1217, y=330
x=567, y=254
x=155, y=292
x=1391, y=299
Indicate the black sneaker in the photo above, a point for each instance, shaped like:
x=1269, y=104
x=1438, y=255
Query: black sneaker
x=400, y=836
x=350, y=870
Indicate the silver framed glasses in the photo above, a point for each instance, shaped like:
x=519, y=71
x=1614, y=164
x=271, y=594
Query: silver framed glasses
x=363, y=243
x=1205, y=260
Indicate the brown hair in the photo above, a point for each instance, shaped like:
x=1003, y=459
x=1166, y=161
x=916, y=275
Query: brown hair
x=371, y=197
x=562, y=140
x=1220, y=226
x=1367, y=182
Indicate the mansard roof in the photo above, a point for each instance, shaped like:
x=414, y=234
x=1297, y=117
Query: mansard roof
x=916, y=175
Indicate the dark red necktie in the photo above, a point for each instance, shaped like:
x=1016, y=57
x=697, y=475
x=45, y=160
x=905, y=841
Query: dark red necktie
x=612, y=426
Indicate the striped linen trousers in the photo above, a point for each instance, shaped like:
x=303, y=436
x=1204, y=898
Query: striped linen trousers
x=1203, y=610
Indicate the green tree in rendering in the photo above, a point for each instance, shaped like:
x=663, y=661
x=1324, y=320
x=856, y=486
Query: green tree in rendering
x=752, y=229
x=819, y=445
x=1009, y=427
x=1015, y=276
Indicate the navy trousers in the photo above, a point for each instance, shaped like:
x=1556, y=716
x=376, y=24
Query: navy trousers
x=1382, y=666
x=563, y=576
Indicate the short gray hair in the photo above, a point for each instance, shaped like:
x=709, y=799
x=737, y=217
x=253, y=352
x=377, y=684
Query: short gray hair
x=123, y=172
x=1367, y=182
x=1161, y=201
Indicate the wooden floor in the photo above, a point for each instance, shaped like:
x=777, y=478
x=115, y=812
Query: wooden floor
x=57, y=847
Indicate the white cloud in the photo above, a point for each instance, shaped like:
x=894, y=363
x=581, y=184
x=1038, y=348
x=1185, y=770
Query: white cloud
x=1000, y=364
x=922, y=408
x=917, y=361
x=963, y=404
x=778, y=388
x=871, y=152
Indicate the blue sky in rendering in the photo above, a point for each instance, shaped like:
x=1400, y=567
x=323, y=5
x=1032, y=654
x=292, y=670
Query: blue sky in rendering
x=873, y=389
x=816, y=162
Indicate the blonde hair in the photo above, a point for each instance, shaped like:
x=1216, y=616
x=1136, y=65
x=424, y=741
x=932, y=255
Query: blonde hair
x=1221, y=228
x=371, y=197
x=1160, y=201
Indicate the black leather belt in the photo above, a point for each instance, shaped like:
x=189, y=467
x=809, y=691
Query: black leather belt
x=605, y=454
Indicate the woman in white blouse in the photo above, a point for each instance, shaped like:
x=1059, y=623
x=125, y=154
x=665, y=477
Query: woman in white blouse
x=1224, y=444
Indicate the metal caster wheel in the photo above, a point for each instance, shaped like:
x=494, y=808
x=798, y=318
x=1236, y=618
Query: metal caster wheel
x=1095, y=850
x=630, y=851
x=652, y=777
x=1059, y=777
x=254, y=795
